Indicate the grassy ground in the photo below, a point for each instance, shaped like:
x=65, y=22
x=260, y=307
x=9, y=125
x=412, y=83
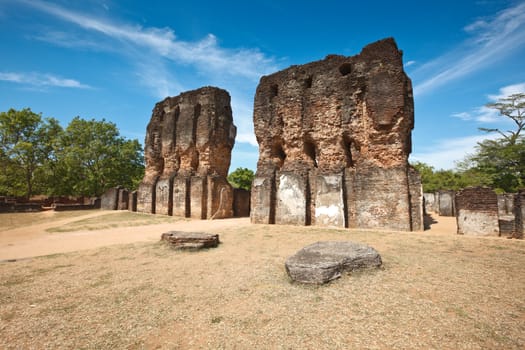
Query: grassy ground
x=433, y=291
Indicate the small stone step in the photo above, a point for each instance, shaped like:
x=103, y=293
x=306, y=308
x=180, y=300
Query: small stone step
x=190, y=240
x=322, y=262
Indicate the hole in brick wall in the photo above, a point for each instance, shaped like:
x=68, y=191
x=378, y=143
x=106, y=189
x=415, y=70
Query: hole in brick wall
x=274, y=90
x=345, y=68
x=347, y=146
x=197, y=110
x=278, y=152
x=309, y=150
x=308, y=82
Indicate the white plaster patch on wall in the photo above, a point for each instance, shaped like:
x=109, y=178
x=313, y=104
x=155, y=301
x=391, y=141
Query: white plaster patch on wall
x=330, y=211
x=290, y=191
x=477, y=223
x=258, y=181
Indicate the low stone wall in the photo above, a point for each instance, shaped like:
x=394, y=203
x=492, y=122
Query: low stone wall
x=477, y=212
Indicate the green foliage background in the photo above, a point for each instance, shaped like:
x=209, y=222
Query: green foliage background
x=38, y=156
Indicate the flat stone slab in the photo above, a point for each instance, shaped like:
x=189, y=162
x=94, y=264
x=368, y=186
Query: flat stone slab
x=323, y=262
x=190, y=240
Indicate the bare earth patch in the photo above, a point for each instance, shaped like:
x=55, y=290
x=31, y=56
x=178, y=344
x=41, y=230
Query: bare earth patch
x=434, y=291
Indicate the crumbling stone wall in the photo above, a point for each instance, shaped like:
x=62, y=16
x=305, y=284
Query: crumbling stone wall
x=477, y=211
x=187, y=152
x=334, y=138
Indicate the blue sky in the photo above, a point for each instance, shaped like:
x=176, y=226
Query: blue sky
x=115, y=59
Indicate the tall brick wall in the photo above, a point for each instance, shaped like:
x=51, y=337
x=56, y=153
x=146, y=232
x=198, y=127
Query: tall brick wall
x=187, y=152
x=334, y=138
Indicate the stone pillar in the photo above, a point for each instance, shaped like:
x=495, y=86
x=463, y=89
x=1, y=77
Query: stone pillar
x=164, y=196
x=123, y=199
x=329, y=201
x=198, y=197
x=263, y=200
x=519, y=212
x=146, y=197
x=109, y=200
x=181, y=196
x=416, y=200
x=132, y=205
x=446, y=203
x=292, y=196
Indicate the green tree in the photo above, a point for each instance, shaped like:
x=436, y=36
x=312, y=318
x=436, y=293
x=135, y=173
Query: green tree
x=95, y=157
x=23, y=151
x=513, y=108
x=241, y=178
x=501, y=162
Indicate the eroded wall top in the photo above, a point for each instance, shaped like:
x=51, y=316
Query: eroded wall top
x=336, y=113
x=190, y=134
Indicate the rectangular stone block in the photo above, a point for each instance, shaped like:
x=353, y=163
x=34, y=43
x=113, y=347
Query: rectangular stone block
x=164, y=196
x=123, y=199
x=198, y=197
x=132, y=204
x=382, y=198
x=292, y=199
x=446, y=205
x=430, y=199
x=181, y=196
x=477, y=212
x=146, y=198
x=519, y=213
x=220, y=198
x=109, y=200
x=263, y=200
x=329, y=201
x=416, y=200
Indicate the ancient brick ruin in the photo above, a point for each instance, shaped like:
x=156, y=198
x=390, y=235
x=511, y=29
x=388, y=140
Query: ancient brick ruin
x=334, y=138
x=187, y=152
x=477, y=212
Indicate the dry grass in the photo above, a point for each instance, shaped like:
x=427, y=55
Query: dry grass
x=9, y=221
x=114, y=220
x=433, y=291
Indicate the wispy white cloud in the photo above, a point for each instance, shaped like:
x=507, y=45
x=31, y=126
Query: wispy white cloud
x=410, y=63
x=492, y=39
x=445, y=153
x=205, y=54
x=41, y=80
x=162, y=62
x=484, y=114
x=507, y=91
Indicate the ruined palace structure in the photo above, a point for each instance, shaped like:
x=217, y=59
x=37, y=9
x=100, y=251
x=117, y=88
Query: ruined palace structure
x=187, y=152
x=334, y=138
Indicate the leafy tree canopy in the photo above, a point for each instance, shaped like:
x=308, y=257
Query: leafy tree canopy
x=241, y=178
x=38, y=156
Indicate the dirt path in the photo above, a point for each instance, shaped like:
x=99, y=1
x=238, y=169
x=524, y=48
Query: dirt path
x=34, y=241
